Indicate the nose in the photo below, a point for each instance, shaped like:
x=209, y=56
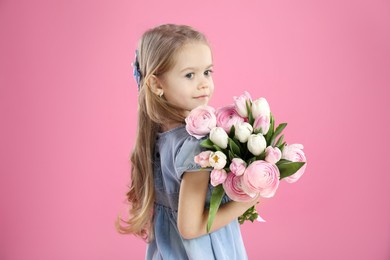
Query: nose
x=203, y=82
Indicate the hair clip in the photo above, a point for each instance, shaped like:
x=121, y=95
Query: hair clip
x=136, y=70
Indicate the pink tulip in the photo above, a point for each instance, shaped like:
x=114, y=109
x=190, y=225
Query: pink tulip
x=203, y=159
x=262, y=124
x=272, y=154
x=294, y=153
x=240, y=104
x=237, y=166
x=261, y=177
x=232, y=187
x=227, y=116
x=200, y=121
x=217, y=177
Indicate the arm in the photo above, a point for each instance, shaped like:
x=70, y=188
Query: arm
x=192, y=216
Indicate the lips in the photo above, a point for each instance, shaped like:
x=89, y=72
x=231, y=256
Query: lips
x=202, y=96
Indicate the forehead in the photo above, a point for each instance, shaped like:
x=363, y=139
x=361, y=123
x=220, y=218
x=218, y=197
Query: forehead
x=193, y=55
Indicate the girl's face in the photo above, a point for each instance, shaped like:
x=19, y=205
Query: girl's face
x=189, y=83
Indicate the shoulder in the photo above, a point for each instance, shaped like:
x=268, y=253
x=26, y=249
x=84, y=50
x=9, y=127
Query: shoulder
x=180, y=140
x=186, y=147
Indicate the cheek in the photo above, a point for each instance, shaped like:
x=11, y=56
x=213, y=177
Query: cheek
x=182, y=94
x=212, y=88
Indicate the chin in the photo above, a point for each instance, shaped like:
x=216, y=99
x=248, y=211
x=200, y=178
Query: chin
x=203, y=104
x=204, y=101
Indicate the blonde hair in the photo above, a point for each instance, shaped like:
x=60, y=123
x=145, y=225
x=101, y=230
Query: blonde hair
x=156, y=55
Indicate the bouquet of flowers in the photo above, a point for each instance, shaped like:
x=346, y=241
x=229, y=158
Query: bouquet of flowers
x=247, y=153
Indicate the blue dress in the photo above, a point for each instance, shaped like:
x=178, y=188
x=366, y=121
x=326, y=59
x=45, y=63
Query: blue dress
x=173, y=155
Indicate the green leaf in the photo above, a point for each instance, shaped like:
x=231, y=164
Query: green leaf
x=289, y=168
x=232, y=132
x=217, y=148
x=282, y=161
x=231, y=155
x=251, y=160
x=237, y=142
x=270, y=131
x=281, y=147
x=278, y=130
x=234, y=148
x=251, y=214
x=261, y=156
x=207, y=144
x=280, y=140
x=250, y=116
x=215, y=201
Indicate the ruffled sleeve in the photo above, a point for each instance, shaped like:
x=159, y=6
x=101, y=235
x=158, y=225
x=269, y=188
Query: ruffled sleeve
x=184, y=160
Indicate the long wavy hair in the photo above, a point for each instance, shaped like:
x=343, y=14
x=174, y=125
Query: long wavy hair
x=156, y=55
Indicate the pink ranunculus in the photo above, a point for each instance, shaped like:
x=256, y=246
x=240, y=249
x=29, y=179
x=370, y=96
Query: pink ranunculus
x=227, y=116
x=203, y=159
x=237, y=166
x=200, y=121
x=240, y=104
x=233, y=189
x=261, y=177
x=262, y=124
x=294, y=153
x=217, y=177
x=272, y=154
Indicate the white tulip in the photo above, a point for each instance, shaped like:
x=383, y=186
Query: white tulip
x=256, y=144
x=219, y=137
x=218, y=160
x=260, y=107
x=243, y=131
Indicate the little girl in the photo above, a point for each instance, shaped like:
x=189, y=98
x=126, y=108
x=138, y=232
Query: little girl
x=169, y=193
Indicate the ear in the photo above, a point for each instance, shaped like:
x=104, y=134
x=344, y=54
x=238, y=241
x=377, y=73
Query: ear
x=155, y=85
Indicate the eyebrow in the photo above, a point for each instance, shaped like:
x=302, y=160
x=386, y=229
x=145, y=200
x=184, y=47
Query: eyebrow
x=191, y=68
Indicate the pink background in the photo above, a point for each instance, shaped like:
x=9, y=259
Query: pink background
x=68, y=109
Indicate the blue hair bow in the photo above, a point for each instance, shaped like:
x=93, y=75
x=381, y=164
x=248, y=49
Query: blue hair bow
x=136, y=70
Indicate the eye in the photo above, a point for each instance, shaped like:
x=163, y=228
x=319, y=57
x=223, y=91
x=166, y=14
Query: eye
x=208, y=72
x=190, y=75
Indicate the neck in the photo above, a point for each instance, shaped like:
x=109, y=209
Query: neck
x=169, y=126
